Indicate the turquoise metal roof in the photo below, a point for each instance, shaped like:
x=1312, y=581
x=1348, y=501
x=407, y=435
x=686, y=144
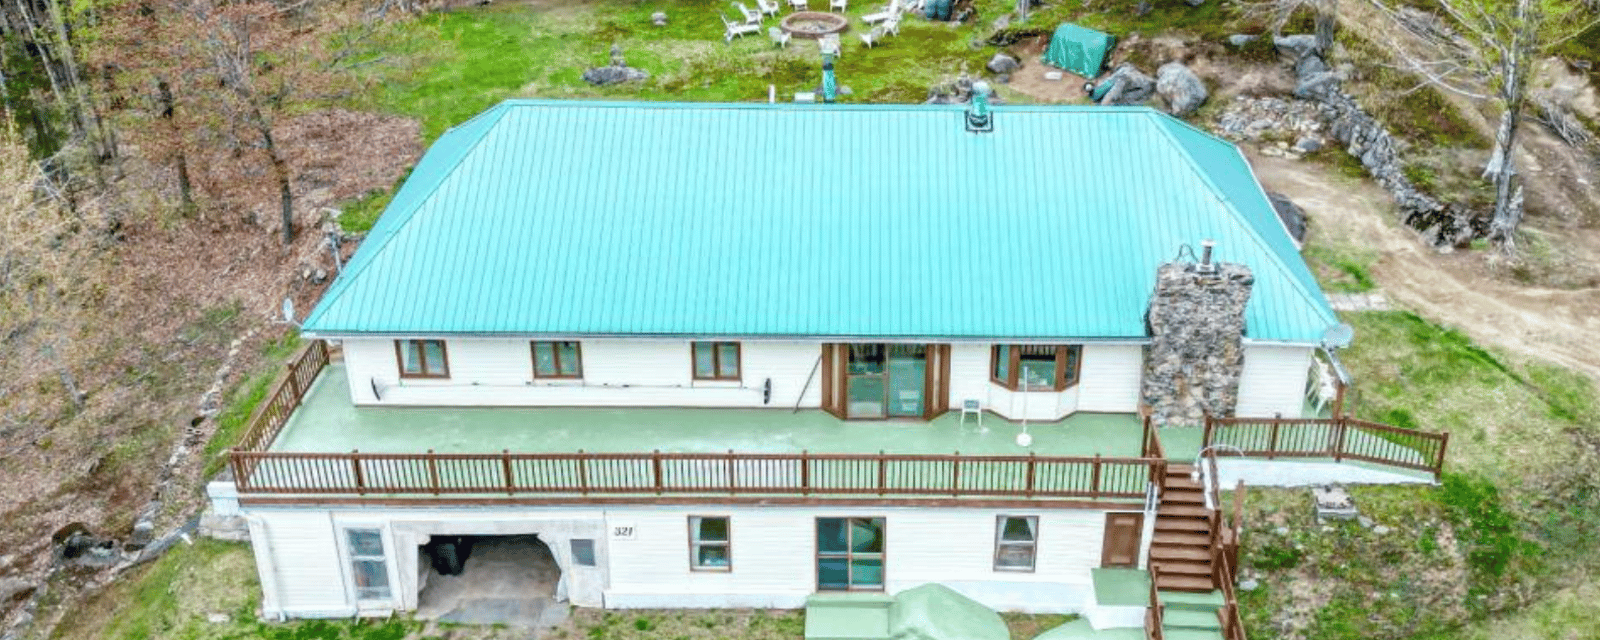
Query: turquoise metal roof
x=600, y=218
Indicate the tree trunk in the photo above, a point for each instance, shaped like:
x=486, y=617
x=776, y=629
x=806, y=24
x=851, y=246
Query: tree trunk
x=181, y=159
x=280, y=169
x=1501, y=168
x=1325, y=23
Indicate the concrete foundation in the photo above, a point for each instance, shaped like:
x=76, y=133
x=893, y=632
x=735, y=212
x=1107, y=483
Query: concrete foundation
x=508, y=580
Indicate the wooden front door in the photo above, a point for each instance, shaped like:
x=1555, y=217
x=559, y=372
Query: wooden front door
x=1123, y=531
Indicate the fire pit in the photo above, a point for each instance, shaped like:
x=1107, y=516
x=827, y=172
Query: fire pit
x=813, y=24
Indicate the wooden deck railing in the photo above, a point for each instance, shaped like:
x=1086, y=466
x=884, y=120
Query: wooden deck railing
x=804, y=474
x=1338, y=438
x=284, y=397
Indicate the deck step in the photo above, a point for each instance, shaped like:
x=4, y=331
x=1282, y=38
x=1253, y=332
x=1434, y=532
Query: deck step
x=1168, y=552
x=1183, y=536
x=1181, y=481
x=1181, y=633
x=1182, y=567
x=1207, y=601
x=1182, y=510
x=1190, y=619
x=1192, y=525
x=1185, y=583
x=1183, y=496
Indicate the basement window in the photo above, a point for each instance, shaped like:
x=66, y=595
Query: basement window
x=709, y=544
x=583, y=552
x=850, y=553
x=1016, y=543
x=716, y=360
x=369, y=568
x=1043, y=367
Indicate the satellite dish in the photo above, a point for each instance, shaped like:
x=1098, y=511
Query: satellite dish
x=1338, y=336
x=288, y=310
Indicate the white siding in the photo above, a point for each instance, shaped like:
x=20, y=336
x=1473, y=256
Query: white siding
x=774, y=563
x=299, y=551
x=616, y=372
x=773, y=554
x=1109, y=379
x=1273, y=381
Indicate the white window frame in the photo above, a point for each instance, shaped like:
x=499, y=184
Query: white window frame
x=695, y=543
x=348, y=559
x=1000, y=542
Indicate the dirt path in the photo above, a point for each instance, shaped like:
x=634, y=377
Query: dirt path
x=1556, y=325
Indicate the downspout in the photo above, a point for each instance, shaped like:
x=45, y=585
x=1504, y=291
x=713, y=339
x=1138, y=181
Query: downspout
x=262, y=542
x=1341, y=377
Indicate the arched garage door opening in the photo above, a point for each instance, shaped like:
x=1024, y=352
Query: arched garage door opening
x=508, y=580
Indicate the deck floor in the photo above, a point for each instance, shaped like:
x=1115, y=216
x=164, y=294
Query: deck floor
x=328, y=422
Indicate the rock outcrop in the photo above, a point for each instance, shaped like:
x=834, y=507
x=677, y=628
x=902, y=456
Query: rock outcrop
x=1181, y=88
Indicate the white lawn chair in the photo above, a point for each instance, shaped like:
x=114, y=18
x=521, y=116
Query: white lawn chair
x=769, y=7
x=891, y=11
x=873, y=37
x=737, y=29
x=798, y=5
x=892, y=25
x=779, y=36
x=837, y=5
x=751, y=16
x=972, y=407
x=830, y=44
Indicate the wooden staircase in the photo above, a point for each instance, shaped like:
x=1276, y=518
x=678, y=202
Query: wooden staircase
x=1184, y=532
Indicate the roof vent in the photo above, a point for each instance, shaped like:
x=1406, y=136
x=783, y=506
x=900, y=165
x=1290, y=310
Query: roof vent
x=978, y=116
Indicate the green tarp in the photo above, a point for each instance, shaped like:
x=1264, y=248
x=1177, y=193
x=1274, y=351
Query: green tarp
x=936, y=612
x=1079, y=50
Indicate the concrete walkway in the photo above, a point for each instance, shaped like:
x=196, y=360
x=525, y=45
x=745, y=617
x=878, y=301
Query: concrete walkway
x=508, y=580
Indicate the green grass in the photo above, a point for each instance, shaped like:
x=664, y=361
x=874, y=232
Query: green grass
x=1342, y=269
x=1419, y=115
x=358, y=216
x=244, y=398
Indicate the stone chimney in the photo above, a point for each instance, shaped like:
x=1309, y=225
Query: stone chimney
x=1196, y=322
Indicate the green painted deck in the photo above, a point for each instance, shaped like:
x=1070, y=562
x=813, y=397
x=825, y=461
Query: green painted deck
x=327, y=422
x=1115, y=587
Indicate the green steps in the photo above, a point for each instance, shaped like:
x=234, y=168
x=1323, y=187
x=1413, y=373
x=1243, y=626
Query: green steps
x=1190, y=619
x=848, y=616
x=1191, y=634
x=1189, y=600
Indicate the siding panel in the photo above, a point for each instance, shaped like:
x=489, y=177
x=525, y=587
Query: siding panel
x=1274, y=381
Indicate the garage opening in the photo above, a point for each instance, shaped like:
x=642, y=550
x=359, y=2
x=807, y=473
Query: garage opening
x=508, y=580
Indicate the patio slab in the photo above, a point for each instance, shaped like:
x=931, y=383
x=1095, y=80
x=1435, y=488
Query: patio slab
x=328, y=422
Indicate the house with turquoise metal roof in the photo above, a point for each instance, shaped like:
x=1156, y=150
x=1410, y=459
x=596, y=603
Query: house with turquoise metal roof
x=749, y=355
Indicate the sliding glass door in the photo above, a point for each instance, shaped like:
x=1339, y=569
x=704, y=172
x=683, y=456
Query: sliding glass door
x=884, y=380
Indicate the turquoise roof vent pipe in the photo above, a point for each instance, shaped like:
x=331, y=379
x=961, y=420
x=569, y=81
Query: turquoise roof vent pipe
x=828, y=84
x=978, y=117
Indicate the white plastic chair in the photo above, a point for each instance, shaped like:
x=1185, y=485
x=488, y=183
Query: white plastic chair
x=974, y=407
x=838, y=5
x=798, y=5
x=751, y=16
x=779, y=36
x=769, y=7
x=737, y=29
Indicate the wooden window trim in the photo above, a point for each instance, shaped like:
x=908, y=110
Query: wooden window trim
x=1000, y=530
x=849, y=554
x=1014, y=366
x=694, y=565
x=716, y=361
x=533, y=354
x=422, y=358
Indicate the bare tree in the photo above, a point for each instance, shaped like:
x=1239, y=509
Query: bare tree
x=1486, y=50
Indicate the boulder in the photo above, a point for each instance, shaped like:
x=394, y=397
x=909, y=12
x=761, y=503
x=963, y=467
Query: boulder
x=602, y=76
x=1126, y=85
x=1181, y=88
x=1296, y=47
x=1309, y=65
x=1293, y=217
x=1316, y=85
x=1241, y=39
x=1003, y=63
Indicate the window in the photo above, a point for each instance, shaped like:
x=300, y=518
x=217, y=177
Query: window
x=1041, y=366
x=368, y=566
x=850, y=554
x=716, y=360
x=709, y=546
x=422, y=358
x=583, y=552
x=1016, y=538
x=557, y=360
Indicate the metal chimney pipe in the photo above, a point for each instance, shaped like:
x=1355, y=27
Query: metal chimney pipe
x=1205, y=256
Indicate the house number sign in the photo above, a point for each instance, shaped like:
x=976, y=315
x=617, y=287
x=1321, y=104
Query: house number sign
x=622, y=531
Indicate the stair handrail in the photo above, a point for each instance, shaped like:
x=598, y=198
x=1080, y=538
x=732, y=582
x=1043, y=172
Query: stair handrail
x=1155, y=615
